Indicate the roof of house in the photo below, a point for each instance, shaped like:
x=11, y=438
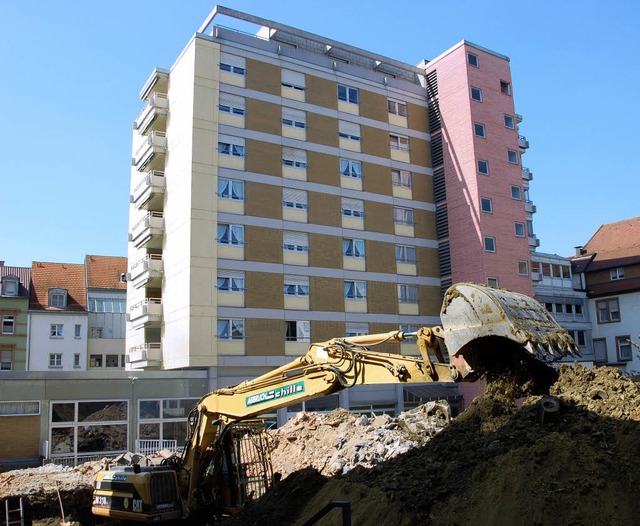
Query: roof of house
x=615, y=244
x=69, y=276
x=22, y=273
x=105, y=272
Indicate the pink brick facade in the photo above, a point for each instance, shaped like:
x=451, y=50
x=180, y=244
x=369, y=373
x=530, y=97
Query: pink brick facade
x=465, y=186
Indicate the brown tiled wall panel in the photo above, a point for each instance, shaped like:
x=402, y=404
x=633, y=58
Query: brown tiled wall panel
x=264, y=291
x=265, y=337
x=326, y=294
x=418, y=117
x=264, y=117
x=420, y=152
x=262, y=76
x=382, y=298
x=20, y=436
x=322, y=92
x=375, y=141
x=381, y=257
x=374, y=106
x=429, y=300
x=326, y=330
x=428, y=265
x=325, y=251
x=322, y=129
x=263, y=244
x=263, y=200
x=422, y=187
x=376, y=179
x=323, y=168
x=378, y=217
x=425, y=224
x=375, y=328
x=324, y=209
x=264, y=158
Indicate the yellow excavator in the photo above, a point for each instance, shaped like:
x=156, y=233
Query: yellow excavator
x=225, y=463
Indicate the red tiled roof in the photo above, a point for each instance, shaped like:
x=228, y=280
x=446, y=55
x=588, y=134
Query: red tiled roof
x=103, y=272
x=69, y=276
x=615, y=241
x=22, y=273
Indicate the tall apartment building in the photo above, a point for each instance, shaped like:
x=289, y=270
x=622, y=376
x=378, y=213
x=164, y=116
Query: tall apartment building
x=288, y=188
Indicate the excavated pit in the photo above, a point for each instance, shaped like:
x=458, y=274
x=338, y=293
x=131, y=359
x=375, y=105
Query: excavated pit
x=566, y=457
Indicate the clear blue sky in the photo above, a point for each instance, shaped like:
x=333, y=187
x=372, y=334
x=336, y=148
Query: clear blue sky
x=72, y=71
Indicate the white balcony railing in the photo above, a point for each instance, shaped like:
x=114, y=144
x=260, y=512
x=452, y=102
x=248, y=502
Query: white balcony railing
x=146, y=270
x=149, y=193
x=529, y=207
x=146, y=312
x=154, y=144
x=148, y=232
x=523, y=143
x=145, y=355
x=527, y=174
x=157, y=105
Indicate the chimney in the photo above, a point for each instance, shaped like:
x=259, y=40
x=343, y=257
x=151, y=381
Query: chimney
x=580, y=250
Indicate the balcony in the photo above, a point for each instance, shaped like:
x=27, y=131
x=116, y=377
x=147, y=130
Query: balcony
x=536, y=276
x=149, y=194
x=518, y=118
x=149, y=231
x=147, y=272
x=527, y=174
x=150, y=155
x=147, y=313
x=523, y=143
x=529, y=207
x=145, y=355
x=153, y=116
x=534, y=242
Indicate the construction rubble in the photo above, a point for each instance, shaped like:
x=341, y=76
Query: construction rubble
x=568, y=457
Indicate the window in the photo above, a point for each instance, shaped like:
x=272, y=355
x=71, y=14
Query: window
x=505, y=87
x=617, y=273
x=294, y=118
x=623, y=345
x=512, y=156
x=403, y=215
x=230, y=281
x=107, y=305
x=297, y=331
x=401, y=178
x=58, y=298
x=230, y=234
x=352, y=207
x=230, y=329
x=76, y=360
x=231, y=146
x=397, y=108
x=509, y=122
x=472, y=60
x=356, y=329
x=349, y=130
x=294, y=157
x=608, y=310
x=489, y=244
x=10, y=286
x=405, y=254
x=350, y=168
x=95, y=360
x=355, y=290
x=55, y=360
x=293, y=80
x=408, y=293
x=519, y=227
x=486, y=205
x=399, y=142
x=476, y=94
x=493, y=282
x=232, y=64
x=231, y=104
x=483, y=167
x=566, y=271
x=530, y=227
x=295, y=199
x=95, y=332
x=56, y=330
x=296, y=286
x=347, y=94
x=353, y=248
x=230, y=189
x=296, y=241
x=579, y=337
x=77, y=331
x=516, y=193
x=523, y=268
x=8, y=324
x=479, y=130
x=6, y=361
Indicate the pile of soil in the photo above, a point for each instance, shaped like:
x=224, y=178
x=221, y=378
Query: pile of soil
x=568, y=458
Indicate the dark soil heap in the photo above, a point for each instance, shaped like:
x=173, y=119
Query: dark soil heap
x=565, y=459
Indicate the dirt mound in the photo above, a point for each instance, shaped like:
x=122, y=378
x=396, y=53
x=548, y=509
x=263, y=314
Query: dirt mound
x=500, y=462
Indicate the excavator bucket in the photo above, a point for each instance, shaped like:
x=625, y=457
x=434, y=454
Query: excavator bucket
x=473, y=313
